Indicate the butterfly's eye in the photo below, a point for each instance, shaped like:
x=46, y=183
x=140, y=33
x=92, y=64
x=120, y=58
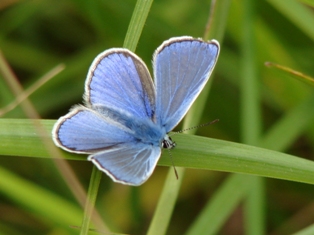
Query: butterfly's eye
x=167, y=143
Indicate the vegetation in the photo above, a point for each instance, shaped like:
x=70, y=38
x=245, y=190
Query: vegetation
x=250, y=173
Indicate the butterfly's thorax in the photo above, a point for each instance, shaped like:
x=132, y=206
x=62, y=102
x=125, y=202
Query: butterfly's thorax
x=143, y=130
x=150, y=133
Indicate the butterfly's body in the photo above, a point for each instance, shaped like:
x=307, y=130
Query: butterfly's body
x=143, y=130
x=126, y=116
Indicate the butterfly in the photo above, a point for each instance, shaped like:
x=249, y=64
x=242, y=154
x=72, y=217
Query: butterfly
x=125, y=118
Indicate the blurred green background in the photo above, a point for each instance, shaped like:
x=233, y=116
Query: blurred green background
x=36, y=36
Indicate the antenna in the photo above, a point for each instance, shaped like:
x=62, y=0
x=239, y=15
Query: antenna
x=194, y=127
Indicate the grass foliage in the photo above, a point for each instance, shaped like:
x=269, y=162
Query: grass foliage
x=250, y=173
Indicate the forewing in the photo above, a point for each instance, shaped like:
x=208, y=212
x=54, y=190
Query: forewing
x=84, y=130
x=130, y=164
x=182, y=67
x=120, y=79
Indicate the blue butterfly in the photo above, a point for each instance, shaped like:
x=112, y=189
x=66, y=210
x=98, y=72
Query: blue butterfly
x=126, y=117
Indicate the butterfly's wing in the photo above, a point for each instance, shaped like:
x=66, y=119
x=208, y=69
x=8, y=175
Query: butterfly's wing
x=114, y=147
x=120, y=96
x=130, y=164
x=119, y=79
x=84, y=130
x=182, y=66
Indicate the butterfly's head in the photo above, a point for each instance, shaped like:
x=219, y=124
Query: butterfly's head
x=168, y=143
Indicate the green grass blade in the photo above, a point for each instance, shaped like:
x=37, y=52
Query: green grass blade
x=307, y=231
x=91, y=199
x=288, y=128
x=194, y=151
x=216, y=25
x=308, y=2
x=218, y=209
x=167, y=199
x=45, y=205
x=20, y=137
x=296, y=74
x=212, y=154
x=255, y=205
x=254, y=222
x=299, y=14
x=137, y=22
x=250, y=84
